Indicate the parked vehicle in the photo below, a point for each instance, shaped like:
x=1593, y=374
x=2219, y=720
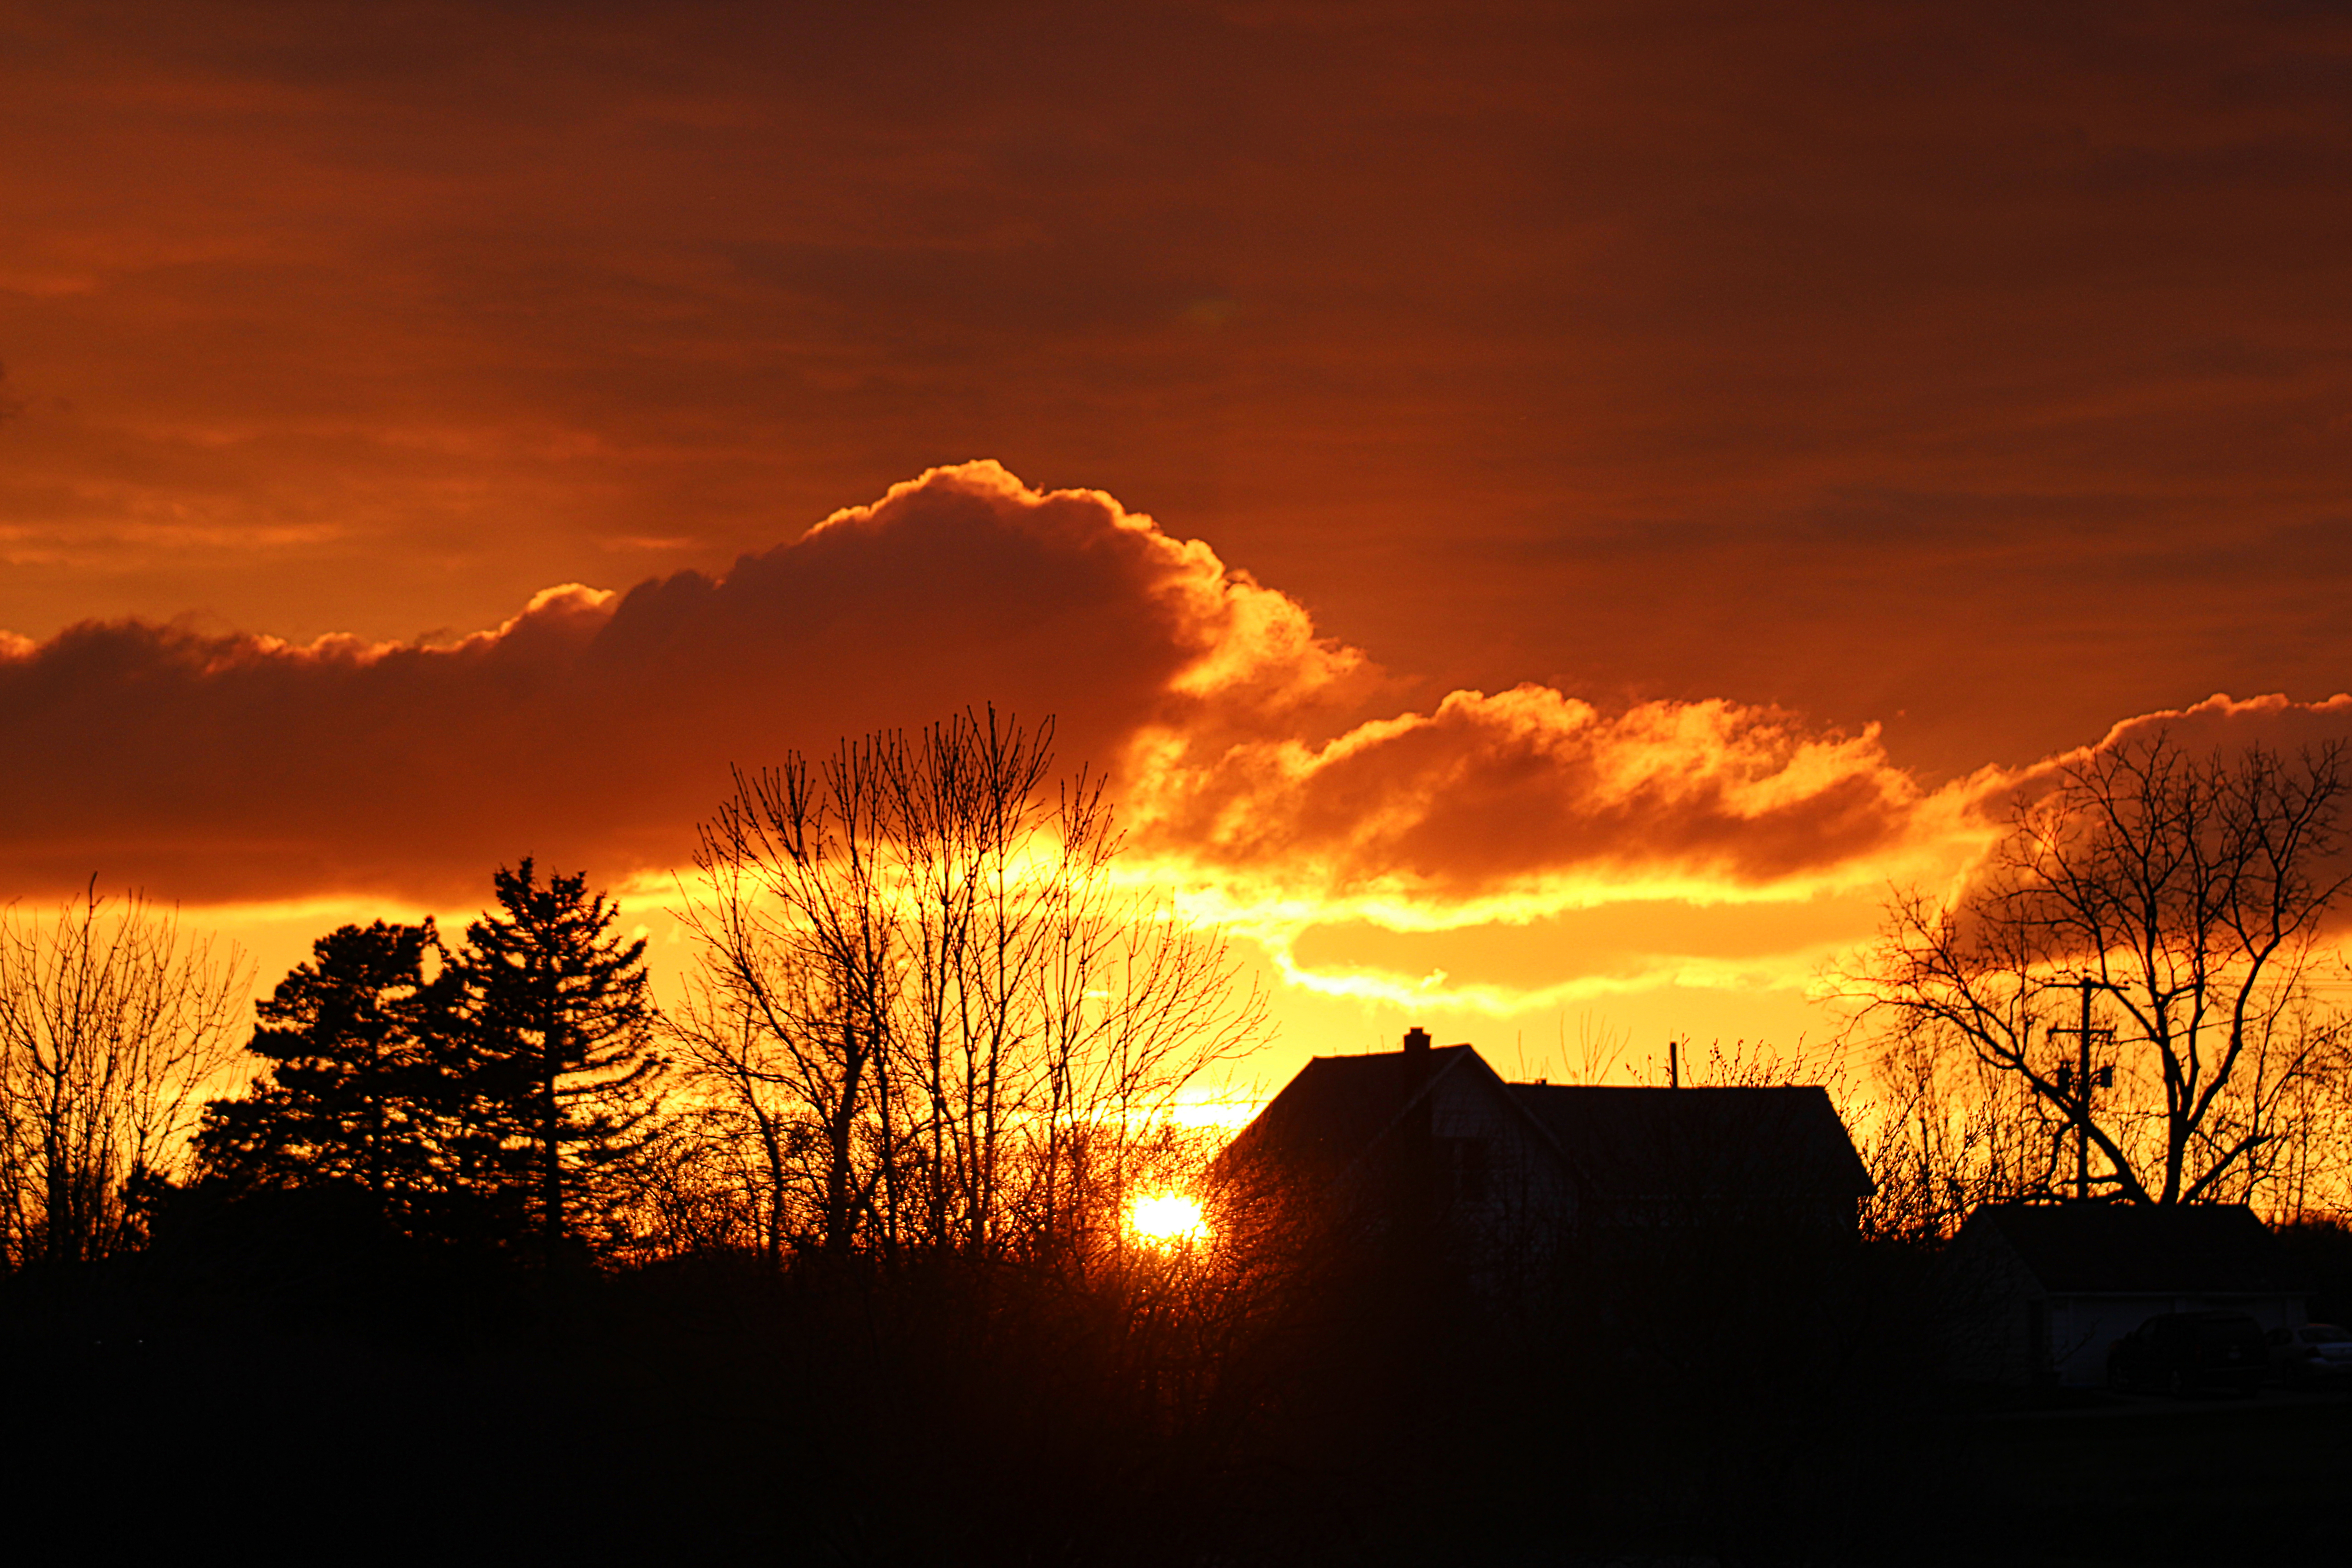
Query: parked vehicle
x=2315, y=1355
x=2182, y=1354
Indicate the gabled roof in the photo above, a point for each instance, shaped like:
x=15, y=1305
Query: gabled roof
x=1339, y=1108
x=1619, y=1142
x=1666, y=1142
x=2140, y=1248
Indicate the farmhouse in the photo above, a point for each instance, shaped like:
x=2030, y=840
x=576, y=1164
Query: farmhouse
x=1433, y=1131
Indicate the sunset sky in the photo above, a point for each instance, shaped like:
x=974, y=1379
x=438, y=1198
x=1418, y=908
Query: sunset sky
x=1544, y=511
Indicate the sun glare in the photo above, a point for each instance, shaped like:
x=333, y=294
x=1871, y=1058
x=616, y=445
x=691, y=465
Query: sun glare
x=1168, y=1219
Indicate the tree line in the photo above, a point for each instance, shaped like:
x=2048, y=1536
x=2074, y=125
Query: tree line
x=927, y=1016
x=487, y=1094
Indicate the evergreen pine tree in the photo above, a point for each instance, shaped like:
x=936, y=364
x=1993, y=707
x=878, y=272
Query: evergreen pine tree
x=559, y=1074
x=356, y=1093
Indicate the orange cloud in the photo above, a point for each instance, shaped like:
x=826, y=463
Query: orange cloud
x=596, y=729
x=1262, y=767
x=1490, y=796
x=2219, y=723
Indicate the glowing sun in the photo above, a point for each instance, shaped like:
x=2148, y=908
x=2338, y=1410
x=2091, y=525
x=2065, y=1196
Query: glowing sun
x=1167, y=1220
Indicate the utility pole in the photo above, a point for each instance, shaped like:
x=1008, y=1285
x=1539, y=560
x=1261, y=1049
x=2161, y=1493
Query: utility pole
x=2081, y=1083
x=1673, y=1064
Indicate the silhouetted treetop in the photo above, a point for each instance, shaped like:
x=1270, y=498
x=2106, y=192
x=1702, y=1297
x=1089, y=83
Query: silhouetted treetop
x=558, y=1073
x=360, y=1089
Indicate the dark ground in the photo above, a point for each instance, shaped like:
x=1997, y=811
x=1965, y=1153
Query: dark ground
x=2132, y=1479
x=690, y=1416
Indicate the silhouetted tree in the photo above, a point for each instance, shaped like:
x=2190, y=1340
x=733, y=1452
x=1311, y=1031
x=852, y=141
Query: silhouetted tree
x=557, y=1076
x=929, y=1006
x=362, y=1090
x=112, y=1025
x=2187, y=895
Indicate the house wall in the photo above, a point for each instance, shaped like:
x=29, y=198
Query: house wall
x=1520, y=1194
x=1992, y=1313
x=1833, y=1217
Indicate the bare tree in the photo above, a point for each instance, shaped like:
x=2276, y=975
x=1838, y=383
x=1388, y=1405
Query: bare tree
x=928, y=1002
x=2157, y=918
x=782, y=1025
x=694, y=1190
x=113, y=1026
x=1946, y=1131
x=782, y=1092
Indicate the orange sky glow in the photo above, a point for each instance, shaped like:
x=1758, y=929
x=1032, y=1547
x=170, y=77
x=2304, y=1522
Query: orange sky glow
x=1542, y=513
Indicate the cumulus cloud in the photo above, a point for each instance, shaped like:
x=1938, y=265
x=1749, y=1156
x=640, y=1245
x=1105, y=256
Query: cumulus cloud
x=2222, y=728
x=2220, y=723
x=1497, y=795
x=1513, y=850
x=597, y=728
x=1526, y=851
x=1261, y=765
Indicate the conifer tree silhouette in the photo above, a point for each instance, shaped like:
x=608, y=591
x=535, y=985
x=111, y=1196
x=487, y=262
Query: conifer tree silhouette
x=558, y=1073
x=358, y=1093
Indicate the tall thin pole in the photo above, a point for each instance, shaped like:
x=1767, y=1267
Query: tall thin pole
x=2083, y=1100
x=2076, y=1095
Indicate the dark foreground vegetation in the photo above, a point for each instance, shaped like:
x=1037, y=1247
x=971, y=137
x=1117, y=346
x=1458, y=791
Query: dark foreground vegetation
x=286, y=1379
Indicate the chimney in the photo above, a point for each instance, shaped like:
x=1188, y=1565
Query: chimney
x=1416, y=1041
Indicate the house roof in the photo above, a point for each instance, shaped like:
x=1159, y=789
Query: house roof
x=1338, y=1108
x=1624, y=1142
x=2140, y=1248
x=1659, y=1142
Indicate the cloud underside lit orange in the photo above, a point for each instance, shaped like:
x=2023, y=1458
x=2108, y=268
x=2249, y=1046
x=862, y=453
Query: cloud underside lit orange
x=1495, y=849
